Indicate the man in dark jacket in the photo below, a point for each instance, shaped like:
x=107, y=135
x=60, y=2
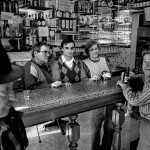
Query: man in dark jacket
x=37, y=70
x=12, y=130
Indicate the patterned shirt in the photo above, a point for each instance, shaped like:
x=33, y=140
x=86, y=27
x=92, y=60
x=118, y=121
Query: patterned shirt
x=141, y=99
x=62, y=72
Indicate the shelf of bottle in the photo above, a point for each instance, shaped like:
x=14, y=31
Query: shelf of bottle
x=106, y=7
x=69, y=33
x=37, y=27
x=61, y=18
x=89, y=14
x=37, y=8
x=10, y=37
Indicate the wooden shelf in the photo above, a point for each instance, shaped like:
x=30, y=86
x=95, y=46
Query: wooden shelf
x=38, y=8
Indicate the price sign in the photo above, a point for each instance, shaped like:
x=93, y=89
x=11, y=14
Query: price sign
x=43, y=31
x=147, y=13
x=7, y=16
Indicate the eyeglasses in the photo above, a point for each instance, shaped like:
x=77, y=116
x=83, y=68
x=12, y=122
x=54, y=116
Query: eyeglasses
x=46, y=52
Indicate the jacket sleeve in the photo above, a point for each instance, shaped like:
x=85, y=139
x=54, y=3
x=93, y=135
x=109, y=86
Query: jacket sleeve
x=55, y=71
x=87, y=70
x=83, y=74
x=30, y=81
x=138, y=99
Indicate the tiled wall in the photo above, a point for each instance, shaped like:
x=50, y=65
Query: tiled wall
x=121, y=59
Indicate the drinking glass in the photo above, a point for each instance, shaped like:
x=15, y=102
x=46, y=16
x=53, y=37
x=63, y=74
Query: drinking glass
x=26, y=94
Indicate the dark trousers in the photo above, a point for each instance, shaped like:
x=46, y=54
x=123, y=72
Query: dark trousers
x=98, y=116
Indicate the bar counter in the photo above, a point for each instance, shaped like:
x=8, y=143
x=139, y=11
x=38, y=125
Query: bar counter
x=52, y=103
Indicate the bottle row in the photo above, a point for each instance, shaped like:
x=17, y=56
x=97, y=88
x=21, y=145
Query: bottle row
x=46, y=18
x=9, y=6
x=35, y=3
x=8, y=30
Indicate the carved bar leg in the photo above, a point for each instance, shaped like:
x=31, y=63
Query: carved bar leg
x=118, y=119
x=73, y=132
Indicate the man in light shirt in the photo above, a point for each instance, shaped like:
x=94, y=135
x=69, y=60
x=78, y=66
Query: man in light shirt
x=66, y=68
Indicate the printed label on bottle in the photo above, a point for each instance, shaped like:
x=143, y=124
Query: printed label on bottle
x=63, y=24
x=39, y=23
x=43, y=23
x=67, y=24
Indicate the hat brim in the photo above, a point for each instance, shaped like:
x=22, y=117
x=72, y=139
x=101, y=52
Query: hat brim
x=16, y=72
x=145, y=52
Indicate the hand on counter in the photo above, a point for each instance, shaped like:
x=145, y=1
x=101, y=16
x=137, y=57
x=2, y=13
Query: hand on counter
x=56, y=84
x=59, y=83
x=94, y=78
x=121, y=84
x=67, y=83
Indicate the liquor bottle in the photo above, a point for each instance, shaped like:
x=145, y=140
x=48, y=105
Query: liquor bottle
x=47, y=21
x=27, y=3
x=71, y=25
x=24, y=3
x=42, y=19
x=3, y=7
x=29, y=21
x=4, y=29
x=126, y=77
x=36, y=20
x=63, y=24
x=0, y=32
x=34, y=36
x=74, y=24
x=7, y=5
x=16, y=7
x=30, y=38
x=39, y=20
x=7, y=30
x=67, y=25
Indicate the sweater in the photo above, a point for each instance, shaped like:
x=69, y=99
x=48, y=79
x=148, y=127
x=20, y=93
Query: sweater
x=36, y=75
x=60, y=71
x=95, y=68
x=141, y=99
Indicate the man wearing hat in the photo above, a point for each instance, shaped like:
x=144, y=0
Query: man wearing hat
x=12, y=130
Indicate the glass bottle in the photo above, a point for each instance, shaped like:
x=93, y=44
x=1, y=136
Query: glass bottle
x=126, y=77
x=42, y=19
x=39, y=20
x=4, y=29
x=16, y=7
x=7, y=31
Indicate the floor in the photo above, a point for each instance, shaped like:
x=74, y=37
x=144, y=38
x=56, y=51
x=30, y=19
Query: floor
x=52, y=139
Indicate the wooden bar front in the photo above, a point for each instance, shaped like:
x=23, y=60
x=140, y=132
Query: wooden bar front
x=53, y=103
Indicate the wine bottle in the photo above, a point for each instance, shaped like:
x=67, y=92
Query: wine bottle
x=42, y=19
x=39, y=20
x=36, y=20
x=7, y=30
x=16, y=7
x=126, y=77
x=4, y=29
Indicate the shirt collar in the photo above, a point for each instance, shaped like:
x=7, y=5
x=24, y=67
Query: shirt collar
x=64, y=59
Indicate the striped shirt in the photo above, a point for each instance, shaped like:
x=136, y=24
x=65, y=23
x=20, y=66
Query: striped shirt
x=141, y=99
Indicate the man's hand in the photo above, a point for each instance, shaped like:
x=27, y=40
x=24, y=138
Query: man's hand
x=95, y=78
x=67, y=83
x=121, y=84
x=56, y=84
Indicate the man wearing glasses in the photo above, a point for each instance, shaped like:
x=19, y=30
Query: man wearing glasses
x=37, y=70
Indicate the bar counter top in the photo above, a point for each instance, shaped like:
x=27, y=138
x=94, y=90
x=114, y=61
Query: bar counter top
x=51, y=103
